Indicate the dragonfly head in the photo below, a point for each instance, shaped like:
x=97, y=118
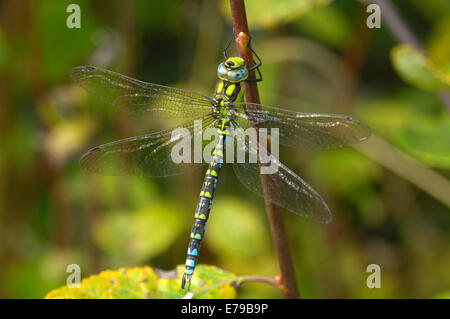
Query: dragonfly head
x=233, y=70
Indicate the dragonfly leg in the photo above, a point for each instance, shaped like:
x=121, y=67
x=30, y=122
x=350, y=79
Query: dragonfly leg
x=255, y=67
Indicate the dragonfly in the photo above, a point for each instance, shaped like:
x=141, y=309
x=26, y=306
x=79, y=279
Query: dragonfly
x=150, y=155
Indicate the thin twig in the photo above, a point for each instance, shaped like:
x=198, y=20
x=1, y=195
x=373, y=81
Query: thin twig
x=279, y=237
x=261, y=279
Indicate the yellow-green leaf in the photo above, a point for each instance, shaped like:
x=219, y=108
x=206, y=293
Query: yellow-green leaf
x=416, y=69
x=151, y=283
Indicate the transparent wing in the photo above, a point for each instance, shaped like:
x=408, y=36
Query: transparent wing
x=139, y=97
x=146, y=155
x=304, y=130
x=284, y=188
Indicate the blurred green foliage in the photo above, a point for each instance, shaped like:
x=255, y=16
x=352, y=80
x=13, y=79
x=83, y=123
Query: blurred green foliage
x=318, y=56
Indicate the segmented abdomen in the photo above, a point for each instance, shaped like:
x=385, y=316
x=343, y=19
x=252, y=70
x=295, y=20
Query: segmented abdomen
x=203, y=208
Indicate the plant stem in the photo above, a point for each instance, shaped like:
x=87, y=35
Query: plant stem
x=279, y=237
x=261, y=279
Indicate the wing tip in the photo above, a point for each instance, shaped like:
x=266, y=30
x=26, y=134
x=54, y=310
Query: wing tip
x=366, y=131
x=85, y=159
x=328, y=219
x=80, y=70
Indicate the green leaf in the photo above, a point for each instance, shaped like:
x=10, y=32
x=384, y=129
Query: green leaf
x=416, y=69
x=428, y=142
x=268, y=13
x=208, y=282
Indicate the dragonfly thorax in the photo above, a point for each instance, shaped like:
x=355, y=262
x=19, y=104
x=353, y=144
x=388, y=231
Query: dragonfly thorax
x=226, y=94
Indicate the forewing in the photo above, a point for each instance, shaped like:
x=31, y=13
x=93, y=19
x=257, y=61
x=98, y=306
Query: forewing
x=139, y=97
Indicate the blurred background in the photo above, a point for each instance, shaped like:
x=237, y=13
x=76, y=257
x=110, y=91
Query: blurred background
x=390, y=196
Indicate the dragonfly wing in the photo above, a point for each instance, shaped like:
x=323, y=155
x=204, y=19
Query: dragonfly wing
x=283, y=187
x=304, y=130
x=148, y=155
x=139, y=97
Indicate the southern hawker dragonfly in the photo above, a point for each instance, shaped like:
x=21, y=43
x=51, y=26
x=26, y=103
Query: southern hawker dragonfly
x=150, y=155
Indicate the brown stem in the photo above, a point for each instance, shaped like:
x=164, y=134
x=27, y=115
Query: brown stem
x=274, y=213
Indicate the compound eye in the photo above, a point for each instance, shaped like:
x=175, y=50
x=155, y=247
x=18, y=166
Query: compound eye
x=237, y=75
